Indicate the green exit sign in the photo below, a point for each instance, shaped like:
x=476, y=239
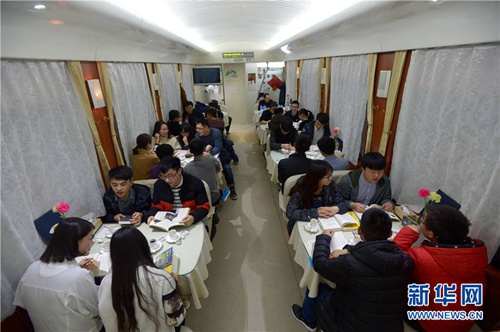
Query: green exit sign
x=237, y=55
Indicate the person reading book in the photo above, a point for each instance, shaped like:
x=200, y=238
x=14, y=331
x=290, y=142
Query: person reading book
x=137, y=295
x=125, y=200
x=175, y=190
x=315, y=195
x=368, y=185
x=447, y=256
x=371, y=280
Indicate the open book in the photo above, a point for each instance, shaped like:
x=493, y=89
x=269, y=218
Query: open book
x=166, y=220
x=339, y=222
x=393, y=216
x=337, y=242
x=103, y=258
x=167, y=261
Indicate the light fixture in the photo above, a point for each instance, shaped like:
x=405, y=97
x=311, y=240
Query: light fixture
x=285, y=49
x=39, y=6
x=96, y=93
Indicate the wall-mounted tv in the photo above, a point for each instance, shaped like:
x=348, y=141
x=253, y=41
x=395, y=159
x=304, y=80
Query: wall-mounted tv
x=207, y=75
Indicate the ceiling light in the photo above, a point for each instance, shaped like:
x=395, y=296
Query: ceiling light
x=285, y=49
x=39, y=7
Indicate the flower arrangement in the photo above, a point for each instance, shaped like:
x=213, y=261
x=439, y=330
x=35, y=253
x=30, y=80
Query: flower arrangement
x=429, y=197
x=336, y=132
x=62, y=208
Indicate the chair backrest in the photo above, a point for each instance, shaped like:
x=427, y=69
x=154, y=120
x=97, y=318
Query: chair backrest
x=45, y=223
x=447, y=200
x=256, y=107
x=289, y=183
x=207, y=189
x=268, y=144
x=337, y=175
x=150, y=183
x=223, y=108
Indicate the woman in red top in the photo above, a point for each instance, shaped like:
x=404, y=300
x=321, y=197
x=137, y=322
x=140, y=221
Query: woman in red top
x=448, y=256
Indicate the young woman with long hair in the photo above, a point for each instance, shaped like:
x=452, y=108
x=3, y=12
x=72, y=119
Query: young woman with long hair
x=58, y=293
x=143, y=157
x=187, y=134
x=162, y=135
x=315, y=195
x=138, y=295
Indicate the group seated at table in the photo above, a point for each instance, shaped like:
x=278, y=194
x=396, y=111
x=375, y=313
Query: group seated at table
x=293, y=113
x=275, y=122
x=143, y=157
x=371, y=281
x=296, y=163
x=268, y=113
x=315, y=195
x=162, y=135
x=317, y=129
x=284, y=136
x=326, y=146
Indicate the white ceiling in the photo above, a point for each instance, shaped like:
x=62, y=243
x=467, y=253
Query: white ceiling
x=175, y=30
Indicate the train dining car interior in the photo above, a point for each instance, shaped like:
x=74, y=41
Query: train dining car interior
x=92, y=92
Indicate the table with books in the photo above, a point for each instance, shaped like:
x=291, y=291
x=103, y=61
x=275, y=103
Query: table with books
x=303, y=241
x=193, y=253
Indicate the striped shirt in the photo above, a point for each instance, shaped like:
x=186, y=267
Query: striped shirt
x=177, y=198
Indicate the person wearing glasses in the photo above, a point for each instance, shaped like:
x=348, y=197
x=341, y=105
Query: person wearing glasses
x=176, y=189
x=315, y=195
x=318, y=129
x=212, y=138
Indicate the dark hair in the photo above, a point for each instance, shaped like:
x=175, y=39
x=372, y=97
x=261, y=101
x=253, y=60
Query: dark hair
x=273, y=103
x=212, y=112
x=302, y=143
x=196, y=146
x=449, y=225
x=170, y=163
x=214, y=103
x=204, y=122
x=373, y=160
x=63, y=245
x=267, y=94
x=129, y=249
x=164, y=150
x=173, y=114
x=120, y=173
x=188, y=103
x=157, y=128
x=286, y=124
x=376, y=225
x=295, y=102
x=326, y=145
x=186, y=128
x=323, y=118
x=307, y=113
x=142, y=142
x=279, y=110
x=310, y=183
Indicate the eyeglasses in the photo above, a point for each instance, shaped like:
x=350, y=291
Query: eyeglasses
x=328, y=177
x=199, y=128
x=169, y=177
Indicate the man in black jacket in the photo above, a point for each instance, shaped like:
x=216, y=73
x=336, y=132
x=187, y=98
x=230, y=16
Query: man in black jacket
x=126, y=200
x=371, y=280
x=297, y=163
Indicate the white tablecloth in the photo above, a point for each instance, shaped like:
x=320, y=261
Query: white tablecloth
x=193, y=253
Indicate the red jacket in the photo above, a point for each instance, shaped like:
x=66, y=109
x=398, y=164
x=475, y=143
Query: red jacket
x=445, y=264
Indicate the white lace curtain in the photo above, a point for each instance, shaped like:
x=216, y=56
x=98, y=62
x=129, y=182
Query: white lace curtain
x=48, y=156
x=132, y=103
x=448, y=134
x=187, y=82
x=348, y=95
x=170, y=90
x=309, y=86
x=291, y=79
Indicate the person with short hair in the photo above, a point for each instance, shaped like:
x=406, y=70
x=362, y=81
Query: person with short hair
x=162, y=151
x=137, y=295
x=162, y=135
x=326, y=146
x=265, y=101
x=284, y=136
x=447, y=256
x=220, y=114
x=125, y=198
x=318, y=129
x=174, y=122
x=296, y=163
x=186, y=135
x=143, y=157
x=368, y=185
x=268, y=113
x=314, y=195
x=371, y=281
x=305, y=116
x=276, y=119
x=59, y=293
x=293, y=113
x=190, y=114
x=175, y=190
x=214, y=146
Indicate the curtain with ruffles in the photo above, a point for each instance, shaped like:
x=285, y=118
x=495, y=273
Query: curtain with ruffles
x=187, y=82
x=309, y=86
x=48, y=156
x=170, y=89
x=448, y=134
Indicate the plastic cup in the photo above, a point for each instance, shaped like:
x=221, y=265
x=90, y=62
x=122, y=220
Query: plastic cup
x=313, y=225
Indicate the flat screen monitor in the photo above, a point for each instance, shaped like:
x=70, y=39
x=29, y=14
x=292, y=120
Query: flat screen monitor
x=206, y=75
